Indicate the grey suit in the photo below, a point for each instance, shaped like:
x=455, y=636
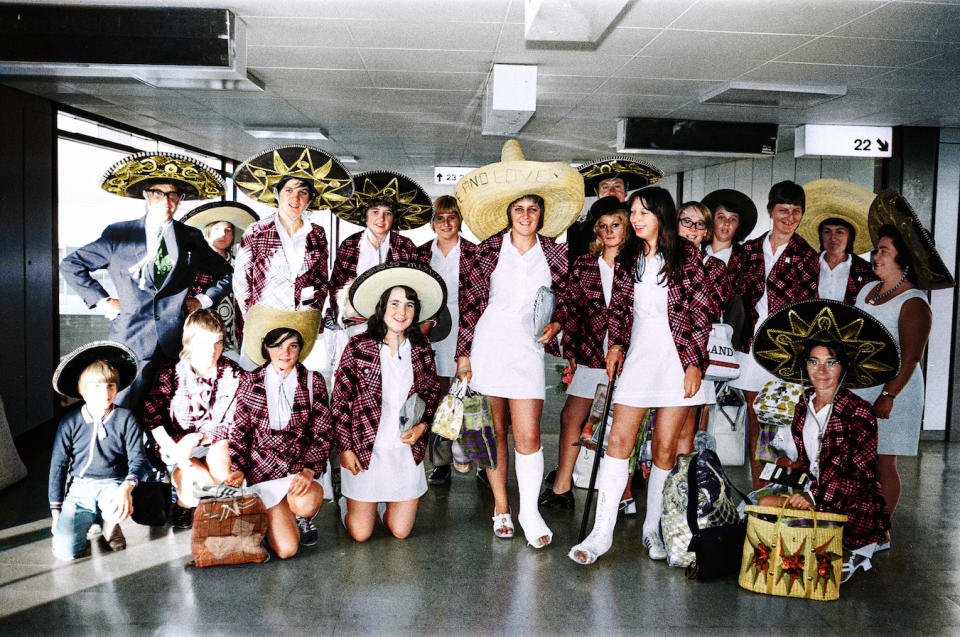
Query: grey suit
x=150, y=320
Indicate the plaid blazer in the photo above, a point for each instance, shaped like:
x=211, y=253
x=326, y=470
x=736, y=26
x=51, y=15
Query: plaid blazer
x=691, y=302
x=475, y=291
x=259, y=248
x=266, y=454
x=345, y=265
x=468, y=252
x=723, y=276
x=586, y=315
x=861, y=273
x=167, y=405
x=794, y=277
x=358, y=394
x=848, y=481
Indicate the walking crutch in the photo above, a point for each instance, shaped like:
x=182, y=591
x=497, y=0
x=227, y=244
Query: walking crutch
x=596, y=459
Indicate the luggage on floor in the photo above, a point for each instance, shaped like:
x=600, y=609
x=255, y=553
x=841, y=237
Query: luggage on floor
x=728, y=425
x=229, y=531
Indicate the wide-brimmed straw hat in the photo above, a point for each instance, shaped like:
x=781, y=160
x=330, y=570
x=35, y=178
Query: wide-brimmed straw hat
x=366, y=291
x=263, y=318
x=827, y=198
x=635, y=173
x=129, y=176
x=331, y=182
x=889, y=207
x=485, y=193
x=871, y=352
x=413, y=204
x=238, y=214
x=123, y=359
x=747, y=209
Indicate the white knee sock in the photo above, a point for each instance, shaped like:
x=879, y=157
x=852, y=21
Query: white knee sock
x=529, y=468
x=651, y=522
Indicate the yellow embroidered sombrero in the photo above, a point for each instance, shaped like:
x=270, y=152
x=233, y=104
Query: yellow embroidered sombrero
x=635, y=173
x=257, y=176
x=129, y=176
x=238, y=214
x=485, y=193
x=413, y=204
x=871, y=353
x=828, y=198
x=263, y=318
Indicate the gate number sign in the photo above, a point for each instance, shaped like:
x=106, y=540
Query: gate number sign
x=843, y=141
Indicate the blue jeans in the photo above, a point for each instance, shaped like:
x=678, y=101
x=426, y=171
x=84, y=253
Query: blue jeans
x=87, y=502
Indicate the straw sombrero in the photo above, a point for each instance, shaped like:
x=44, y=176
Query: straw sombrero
x=129, y=176
x=485, y=193
x=413, y=204
x=238, y=214
x=370, y=286
x=748, y=209
x=872, y=354
x=263, y=318
x=123, y=359
x=257, y=176
x=890, y=207
x=828, y=198
x=635, y=173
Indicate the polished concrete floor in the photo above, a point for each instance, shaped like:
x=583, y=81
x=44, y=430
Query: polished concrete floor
x=452, y=576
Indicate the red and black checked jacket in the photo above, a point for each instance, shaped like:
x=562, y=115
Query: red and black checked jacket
x=345, y=265
x=848, y=481
x=468, y=251
x=159, y=409
x=264, y=454
x=586, y=316
x=861, y=273
x=794, y=277
x=691, y=304
x=723, y=276
x=262, y=242
x=358, y=393
x=475, y=291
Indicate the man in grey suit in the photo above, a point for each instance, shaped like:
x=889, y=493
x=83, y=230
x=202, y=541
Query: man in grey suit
x=153, y=261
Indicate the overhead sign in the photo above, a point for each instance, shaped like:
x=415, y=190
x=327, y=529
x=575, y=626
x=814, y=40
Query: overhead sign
x=450, y=175
x=843, y=141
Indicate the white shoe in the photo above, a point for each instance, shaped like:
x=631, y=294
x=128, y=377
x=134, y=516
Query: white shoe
x=503, y=525
x=654, y=544
x=856, y=563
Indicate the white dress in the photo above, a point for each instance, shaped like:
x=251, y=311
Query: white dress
x=586, y=379
x=506, y=359
x=392, y=475
x=899, y=434
x=652, y=372
x=448, y=267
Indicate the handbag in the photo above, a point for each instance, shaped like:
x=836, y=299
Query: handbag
x=448, y=418
x=543, y=306
x=229, y=531
x=774, y=405
x=727, y=424
x=151, y=503
x=737, y=315
x=439, y=450
x=722, y=364
x=477, y=435
x=793, y=552
x=412, y=412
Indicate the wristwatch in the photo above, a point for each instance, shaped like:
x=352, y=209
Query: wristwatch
x=888, y=394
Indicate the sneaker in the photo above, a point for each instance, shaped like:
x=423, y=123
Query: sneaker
x=182, y=517
x=628, y=506
x=440, y=475
x=308, y=532
x=482, y=479
x=94, y=530
x=654, y=545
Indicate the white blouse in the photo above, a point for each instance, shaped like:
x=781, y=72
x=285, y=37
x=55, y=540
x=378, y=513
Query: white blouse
x=280, y=393
x=370, y=256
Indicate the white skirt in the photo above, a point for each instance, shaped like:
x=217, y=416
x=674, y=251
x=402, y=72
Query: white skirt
x=652, y=372
x=392, y=475
x=273, y=491
x=752, y=375
x=506, y=359
x=585, y=381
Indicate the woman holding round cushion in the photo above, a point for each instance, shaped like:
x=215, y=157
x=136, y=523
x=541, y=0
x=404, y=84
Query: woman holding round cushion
x=382, y=375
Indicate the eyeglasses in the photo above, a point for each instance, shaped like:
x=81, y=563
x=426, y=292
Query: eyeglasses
x=687, y=222
x=157, y=195
x=830, y=363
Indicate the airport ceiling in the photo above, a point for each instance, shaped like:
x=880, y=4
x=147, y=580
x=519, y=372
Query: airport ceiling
x=399, y=84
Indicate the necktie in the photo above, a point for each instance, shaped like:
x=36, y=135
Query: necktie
x=162, y=264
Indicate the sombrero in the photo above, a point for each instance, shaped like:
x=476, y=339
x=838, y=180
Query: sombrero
x=485, y=193
x=263, y=318
x=443, y=327
x=889, y=207
x=635, y=173
x=870, y=350
x=238, y=214
x=67, y=374
x=828, y=198
x=748, y=209
x=257, y=176
x=370, y=286
x=129, y=176
x=413, y=204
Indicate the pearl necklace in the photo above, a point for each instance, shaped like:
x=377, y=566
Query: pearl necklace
x=877, y=297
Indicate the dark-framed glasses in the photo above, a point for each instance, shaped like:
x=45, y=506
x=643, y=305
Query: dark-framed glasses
x=156, y=195
x=687, y=222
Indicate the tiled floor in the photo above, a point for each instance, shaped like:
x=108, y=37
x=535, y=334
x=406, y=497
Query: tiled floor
x=452, y=576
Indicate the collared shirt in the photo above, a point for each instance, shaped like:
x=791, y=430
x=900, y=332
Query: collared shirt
x=723, y=255
x=770, y=259
x=833, y=282
x=370, y=256
x=294, y=246
x=280, y=393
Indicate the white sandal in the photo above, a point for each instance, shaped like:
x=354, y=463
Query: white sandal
x=855, y=563
x=503, y=525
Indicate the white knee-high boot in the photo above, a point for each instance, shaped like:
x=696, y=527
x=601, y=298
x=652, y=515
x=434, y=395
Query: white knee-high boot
x=651, y=523
x=611, y=479
x=529, y=469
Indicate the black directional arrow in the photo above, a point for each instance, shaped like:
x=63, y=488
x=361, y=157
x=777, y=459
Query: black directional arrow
x=439, y=176
x=883, y=145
